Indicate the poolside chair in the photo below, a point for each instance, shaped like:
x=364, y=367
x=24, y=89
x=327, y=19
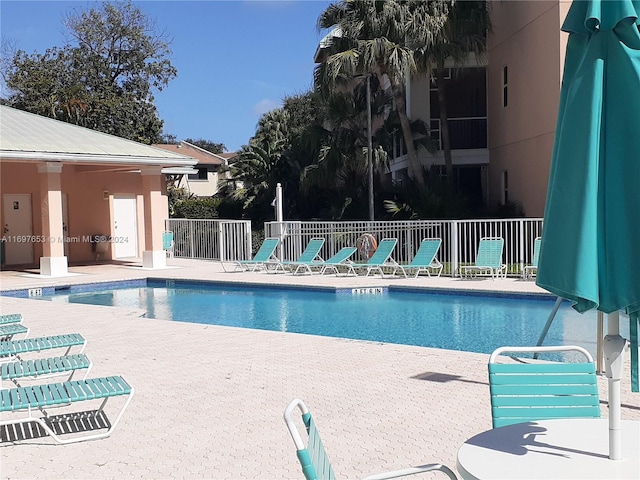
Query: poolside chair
x=336, y=261
x=380, y=258
x=167, y=243
x=10, y=350
x=309, y=258
x=313, y=458
x=30, y=404
x=11, y=325
x=264, y=257
x=526, y=392
x=488, y=259
x=425, y=259
x=529, y=270
x=41, y=368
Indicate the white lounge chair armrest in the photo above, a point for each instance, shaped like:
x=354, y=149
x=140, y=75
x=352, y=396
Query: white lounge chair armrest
x=413, y=471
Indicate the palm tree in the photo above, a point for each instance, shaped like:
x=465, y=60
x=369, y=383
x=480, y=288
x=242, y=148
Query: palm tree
x=371, y=39
x=464, y=32
x=342, y=164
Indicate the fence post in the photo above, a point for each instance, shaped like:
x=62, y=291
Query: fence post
x=454, y=248
x=249, y=242
x=522, y=243
x=221, y=242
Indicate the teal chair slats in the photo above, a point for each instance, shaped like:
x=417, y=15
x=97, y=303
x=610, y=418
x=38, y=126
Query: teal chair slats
x=42, y=367
x=529, y=270
x=168, y=243
x=12, y=348
x=380, y=258
x=11, y=325
x=313, y=457
x=310, y=258
x=425, y=259
x=316, y=450
x=525, y=392
x=335, y=261
x=264, y=256
x=36, y=398
x=10, y=318
x=8, y=331
x=488, y=259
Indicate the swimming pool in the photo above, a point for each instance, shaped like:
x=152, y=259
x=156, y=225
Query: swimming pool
x=455, y=321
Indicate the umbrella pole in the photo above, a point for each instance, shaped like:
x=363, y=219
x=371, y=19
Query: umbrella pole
x=613, y=347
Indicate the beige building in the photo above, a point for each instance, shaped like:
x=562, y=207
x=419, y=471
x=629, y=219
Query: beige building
x=70, y=194
x=524, y=73
x=203, y=181
x=502, y=109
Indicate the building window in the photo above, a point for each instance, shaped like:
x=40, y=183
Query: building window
x=505, y=187
x=201, y=175
x=505, y=81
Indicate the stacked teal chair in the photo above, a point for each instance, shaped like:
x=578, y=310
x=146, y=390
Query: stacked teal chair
x=313, y=457
x=11, y=325
x=31, y=404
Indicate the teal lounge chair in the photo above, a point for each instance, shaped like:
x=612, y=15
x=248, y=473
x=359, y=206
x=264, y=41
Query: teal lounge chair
x=41, y=368
x=488, y=260
x=530, y=270
x=380, y=258
x=314, y=460
x=527, y=392
x=30, y=404
x=11, y=325
x=167, y=243
x=12, y=349
x=309, y=258
x=337, y=260
x=264, y=257
x=425, y=259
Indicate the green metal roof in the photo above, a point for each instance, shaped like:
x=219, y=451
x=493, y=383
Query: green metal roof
x=25, y=136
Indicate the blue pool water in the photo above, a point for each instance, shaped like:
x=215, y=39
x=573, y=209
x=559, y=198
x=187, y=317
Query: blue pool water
x=473, y=323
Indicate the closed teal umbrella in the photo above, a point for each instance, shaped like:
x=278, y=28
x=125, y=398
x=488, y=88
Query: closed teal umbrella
x=590, y=252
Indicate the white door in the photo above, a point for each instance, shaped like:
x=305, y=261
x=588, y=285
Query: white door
x=18, y=229
x=125, y=227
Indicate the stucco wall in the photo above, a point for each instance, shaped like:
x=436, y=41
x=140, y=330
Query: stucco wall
x=89, y=203
x=527, y=39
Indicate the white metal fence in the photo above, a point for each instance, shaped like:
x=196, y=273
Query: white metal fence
x=460, y=238
x=211, y=239
x=228, y=240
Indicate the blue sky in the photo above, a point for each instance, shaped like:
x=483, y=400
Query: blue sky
x=236, y=59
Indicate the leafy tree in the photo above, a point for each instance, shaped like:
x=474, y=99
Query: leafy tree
x=341, y=168
x=439, y=199
x=257, y=171
x=105, y=81
x=198, y=208
x=207, y=145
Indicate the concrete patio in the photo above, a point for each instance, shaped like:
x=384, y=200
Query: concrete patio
x=209, y=399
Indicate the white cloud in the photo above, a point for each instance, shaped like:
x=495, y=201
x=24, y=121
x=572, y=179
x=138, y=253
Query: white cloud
x=265, y=105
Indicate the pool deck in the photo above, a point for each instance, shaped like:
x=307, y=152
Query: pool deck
x=209, y=399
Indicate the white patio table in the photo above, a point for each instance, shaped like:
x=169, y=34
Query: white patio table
x=551, y=449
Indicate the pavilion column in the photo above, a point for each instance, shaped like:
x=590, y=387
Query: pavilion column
x=155, y=213
x=53, y=261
